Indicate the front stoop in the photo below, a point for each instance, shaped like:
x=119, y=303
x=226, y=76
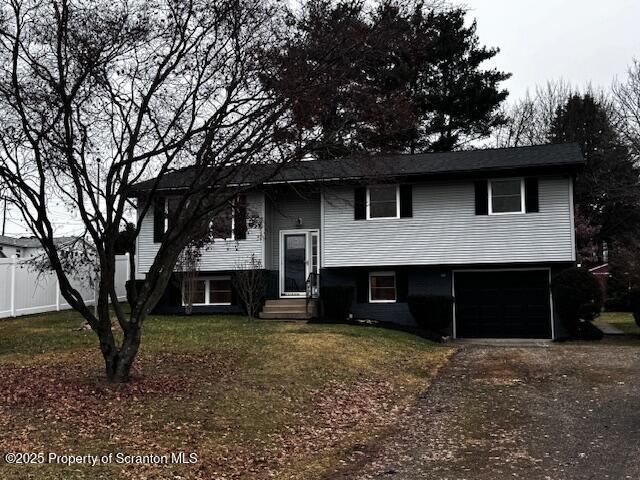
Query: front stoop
x=290, y=309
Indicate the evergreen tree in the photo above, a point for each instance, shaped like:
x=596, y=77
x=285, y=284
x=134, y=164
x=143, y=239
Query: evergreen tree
x=607, y=192
x=459, y=99
x=400, y=78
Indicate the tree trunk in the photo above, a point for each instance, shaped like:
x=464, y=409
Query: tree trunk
x=118, y=366
x=110, y=354
x=118, y=361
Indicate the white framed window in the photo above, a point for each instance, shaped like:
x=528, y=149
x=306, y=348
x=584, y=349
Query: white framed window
x=209, y=291
x=383, y=201
x=220, y=291
x=382, y=287
x=223, y=225
x=506, y=196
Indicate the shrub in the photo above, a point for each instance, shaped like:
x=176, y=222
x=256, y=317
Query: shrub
x=577, y=297
x=336, y=301
x=431, y=312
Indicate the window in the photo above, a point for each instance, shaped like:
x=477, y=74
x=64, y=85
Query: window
x=506, y=196
x=208, y=291
x=198, y=293
x=382, y=287
x=383, y=201
x=220, y=291
x=222, y=224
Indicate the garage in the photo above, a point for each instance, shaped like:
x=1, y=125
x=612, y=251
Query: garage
x=502, y=304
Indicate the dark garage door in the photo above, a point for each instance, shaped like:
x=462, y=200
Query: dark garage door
x=512, y=304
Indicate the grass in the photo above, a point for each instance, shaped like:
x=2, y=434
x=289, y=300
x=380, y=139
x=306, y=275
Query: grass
x=250, y=399
x=622, y=320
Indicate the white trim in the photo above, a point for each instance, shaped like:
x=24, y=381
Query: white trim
x=523, y=207
x=480, y=270
x=307, y=263
x=395, y=286
x=368, y=215
x=574, y=255
x=207, y=292
x=318, y=253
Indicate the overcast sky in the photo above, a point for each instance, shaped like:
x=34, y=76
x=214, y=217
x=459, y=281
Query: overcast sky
x=581, y=41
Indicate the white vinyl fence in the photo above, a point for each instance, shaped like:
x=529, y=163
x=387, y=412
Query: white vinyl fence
x=24, y=291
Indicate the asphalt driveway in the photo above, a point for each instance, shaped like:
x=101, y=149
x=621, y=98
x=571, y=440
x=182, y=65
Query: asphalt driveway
x=556, y=412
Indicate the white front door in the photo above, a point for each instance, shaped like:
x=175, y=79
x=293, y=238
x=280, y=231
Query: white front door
x=299, y=256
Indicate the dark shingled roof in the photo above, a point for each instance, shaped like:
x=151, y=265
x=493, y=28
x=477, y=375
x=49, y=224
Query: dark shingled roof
x=566, y=157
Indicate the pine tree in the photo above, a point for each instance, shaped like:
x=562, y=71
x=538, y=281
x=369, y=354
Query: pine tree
x=607, y=192
x=401, y=79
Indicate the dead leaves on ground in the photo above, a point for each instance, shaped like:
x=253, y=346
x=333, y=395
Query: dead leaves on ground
x=64, y=401
x=74, y=386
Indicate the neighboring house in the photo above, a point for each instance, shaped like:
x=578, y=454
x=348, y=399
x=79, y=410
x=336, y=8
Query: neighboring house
x=25, y=247
x=490, y=227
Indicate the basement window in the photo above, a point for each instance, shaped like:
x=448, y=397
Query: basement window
x=207, y=291
x=382, y=287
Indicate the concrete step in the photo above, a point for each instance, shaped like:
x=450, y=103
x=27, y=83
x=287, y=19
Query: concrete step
x=285, y=316
x=287, y=301
x=285, y=306
x=290, y=309
x=300, y=311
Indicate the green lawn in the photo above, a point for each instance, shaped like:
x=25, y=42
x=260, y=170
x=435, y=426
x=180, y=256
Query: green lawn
x=622, y=320
x=251, y=399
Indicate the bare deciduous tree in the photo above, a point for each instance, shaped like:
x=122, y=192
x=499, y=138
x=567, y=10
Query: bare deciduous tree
x=250, y=281
x=529, y=119
x=98, y=95
x=626, y=95
x=188, y=268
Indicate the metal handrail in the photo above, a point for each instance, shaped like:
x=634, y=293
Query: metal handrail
x=313, y=288
x=313, y=285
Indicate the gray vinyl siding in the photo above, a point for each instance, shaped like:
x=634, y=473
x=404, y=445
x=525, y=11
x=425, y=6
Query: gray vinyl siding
x=218, y=256
x=284, y=208
x=445, y=230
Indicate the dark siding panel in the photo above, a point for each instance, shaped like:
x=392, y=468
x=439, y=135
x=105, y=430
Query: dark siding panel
x=172, y=211
x=362, y=286
x=360, y=203
x=406, y=201
x=531, y=196
x=402, y=285
x=240, y=218
x=158, y=219
x=482, y=197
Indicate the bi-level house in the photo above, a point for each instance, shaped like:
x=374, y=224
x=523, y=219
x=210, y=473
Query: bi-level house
x=490, y=227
